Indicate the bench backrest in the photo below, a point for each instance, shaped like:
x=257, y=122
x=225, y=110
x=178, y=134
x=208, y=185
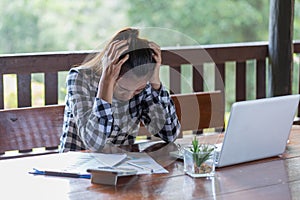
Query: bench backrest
x=23, y=129
x=198, y=111
x=201, y=110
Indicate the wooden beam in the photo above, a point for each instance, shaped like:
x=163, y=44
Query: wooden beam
x=280, y=47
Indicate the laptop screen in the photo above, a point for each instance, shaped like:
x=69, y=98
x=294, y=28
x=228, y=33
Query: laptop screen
x=258, y=129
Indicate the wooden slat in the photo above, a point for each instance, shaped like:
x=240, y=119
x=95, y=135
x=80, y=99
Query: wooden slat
x=26, y=128
x=198, y=78
x=24, y=90
x=40, y=62
x=238, y=52
x=240, y=81
x=1, y=92
x=260, y=79
x=197, y=55
x=172, y=57
x=296, y=46
x=299, y=88
x=220, y=77
x=220, y=85
x=175, y=79
x=51, y=88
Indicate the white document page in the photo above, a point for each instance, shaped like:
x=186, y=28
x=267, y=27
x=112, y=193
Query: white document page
x=79, y=162
x=143, y=163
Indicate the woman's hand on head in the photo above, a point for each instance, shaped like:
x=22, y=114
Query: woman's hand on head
x=155, y=79
x=111, y=66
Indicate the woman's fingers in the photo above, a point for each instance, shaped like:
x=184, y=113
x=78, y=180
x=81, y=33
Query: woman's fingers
x=114, y=45
x=118, y=65
x=116, y=49
x=120, y=51
x=153, y=45
x=123, y=60
x=112, y=72
x=155, y=79
x=157, y=51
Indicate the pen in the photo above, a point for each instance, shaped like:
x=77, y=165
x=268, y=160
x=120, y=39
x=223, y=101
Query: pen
x=140, y=167
x=60, y=174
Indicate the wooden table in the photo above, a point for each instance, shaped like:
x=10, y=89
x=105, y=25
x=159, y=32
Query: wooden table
x=273, y=178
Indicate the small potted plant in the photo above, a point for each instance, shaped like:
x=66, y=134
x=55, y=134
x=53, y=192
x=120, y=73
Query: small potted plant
x=199, y=159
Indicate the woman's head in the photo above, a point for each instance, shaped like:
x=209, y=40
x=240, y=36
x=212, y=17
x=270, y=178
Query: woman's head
x=138, y=68
x=140, y=62
x=140, y=54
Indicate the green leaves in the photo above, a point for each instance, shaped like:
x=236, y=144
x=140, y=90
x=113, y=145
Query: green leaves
x=201, y=153
x=195, y=144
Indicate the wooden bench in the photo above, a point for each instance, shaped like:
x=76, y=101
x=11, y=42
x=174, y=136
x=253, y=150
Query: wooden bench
x=198, y=111
x=24, y=129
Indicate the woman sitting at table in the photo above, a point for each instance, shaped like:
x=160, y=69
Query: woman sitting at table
x=110, y=95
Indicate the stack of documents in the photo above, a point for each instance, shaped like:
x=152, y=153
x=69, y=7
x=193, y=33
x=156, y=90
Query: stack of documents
x=82, y=165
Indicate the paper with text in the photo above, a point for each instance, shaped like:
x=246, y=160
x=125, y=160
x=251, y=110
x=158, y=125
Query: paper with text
x=79, y=162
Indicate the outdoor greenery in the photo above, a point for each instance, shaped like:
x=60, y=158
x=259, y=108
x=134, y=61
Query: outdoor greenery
x=66, y=25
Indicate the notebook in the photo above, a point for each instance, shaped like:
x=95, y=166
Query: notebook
x=257, y=129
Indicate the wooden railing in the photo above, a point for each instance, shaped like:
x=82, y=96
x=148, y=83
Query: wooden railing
x=177, y=59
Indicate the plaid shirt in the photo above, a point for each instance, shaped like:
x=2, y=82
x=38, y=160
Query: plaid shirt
x=90, y=122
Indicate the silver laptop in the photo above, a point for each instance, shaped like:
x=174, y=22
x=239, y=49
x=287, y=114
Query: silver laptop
x=257, y=129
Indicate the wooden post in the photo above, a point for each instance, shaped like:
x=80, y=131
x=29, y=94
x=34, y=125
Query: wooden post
x=280, y=47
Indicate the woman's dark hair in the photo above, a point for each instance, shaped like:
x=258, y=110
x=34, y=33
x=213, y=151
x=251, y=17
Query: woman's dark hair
x=140, y=61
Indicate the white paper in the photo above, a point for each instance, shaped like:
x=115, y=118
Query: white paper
x=79, y=162
x=143, y=163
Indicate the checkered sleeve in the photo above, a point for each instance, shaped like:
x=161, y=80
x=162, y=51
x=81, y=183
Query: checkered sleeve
x=159, y=114
x=93, y=116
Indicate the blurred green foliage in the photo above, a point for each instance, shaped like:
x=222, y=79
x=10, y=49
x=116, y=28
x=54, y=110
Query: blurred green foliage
x=207, y=22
